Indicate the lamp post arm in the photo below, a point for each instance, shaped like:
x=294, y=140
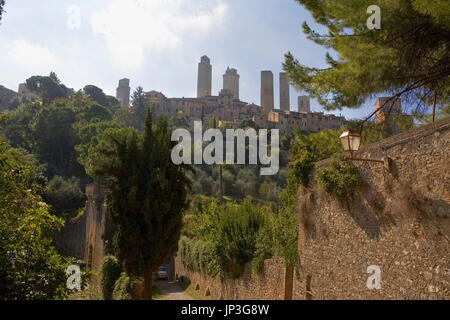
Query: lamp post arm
x=367, y=160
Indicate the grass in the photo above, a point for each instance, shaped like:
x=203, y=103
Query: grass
x=157, y=294
x=189, y=290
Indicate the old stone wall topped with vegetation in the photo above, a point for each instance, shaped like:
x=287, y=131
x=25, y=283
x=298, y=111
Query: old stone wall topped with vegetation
x=398, y=221
x=268, y=285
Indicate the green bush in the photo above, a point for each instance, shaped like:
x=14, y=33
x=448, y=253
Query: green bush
x=30, y=266
x=195, y=254
x=123, y=288
x=226, y=238
x=237, y=228
x=65, y=196
x=111, y=271
x=341, y=178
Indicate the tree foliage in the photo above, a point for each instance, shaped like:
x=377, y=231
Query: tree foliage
x=147, y=195
x=2, y=4
x=48, y=88
x=111, y=272
x=96, y=94
x=341, y=178
x=408, y=55
x=227, y=237
x=30, y=267
x=65, y=196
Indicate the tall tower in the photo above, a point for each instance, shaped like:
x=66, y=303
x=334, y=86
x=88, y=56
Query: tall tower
x=304, y=104
x=386, y=108
x=123, y=92
x=231, y=82
x=284, y=92
x=267, y=100
x=204, y=80
x=23, y=90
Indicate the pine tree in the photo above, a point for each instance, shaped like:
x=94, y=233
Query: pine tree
x=2, y=4
x=408, y=56
x=139, y=103
x=147, y=196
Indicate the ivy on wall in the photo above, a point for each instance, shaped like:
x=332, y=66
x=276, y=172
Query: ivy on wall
x=341, y=178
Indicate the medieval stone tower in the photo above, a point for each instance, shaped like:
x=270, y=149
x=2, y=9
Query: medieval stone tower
x=204, y=81
x=284, y=92
x=304, y=104
x=231, y=82
x=267, y=99
x=123, y=92
x=386, y=108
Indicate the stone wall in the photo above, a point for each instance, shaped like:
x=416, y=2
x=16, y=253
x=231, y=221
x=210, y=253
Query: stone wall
x=398, y=221
x=84, y=237
x=266, y=286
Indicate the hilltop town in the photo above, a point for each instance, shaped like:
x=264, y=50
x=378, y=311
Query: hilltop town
x=228, y=108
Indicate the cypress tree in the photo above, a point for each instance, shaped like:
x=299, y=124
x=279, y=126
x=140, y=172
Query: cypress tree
x=147, y=195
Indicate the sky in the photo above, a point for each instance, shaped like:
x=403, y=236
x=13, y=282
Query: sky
x=157, y=44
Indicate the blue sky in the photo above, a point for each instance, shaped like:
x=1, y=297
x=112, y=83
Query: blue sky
x=156, y=43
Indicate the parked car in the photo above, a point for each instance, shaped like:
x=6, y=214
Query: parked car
x=162, y=273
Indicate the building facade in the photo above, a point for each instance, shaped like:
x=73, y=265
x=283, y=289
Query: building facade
x=123, y=92
x=226, y=107
x=285, y=99
x=267, y=96
x=231, y=82
x=204, y=81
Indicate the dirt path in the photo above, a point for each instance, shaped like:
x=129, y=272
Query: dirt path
x=171, y=291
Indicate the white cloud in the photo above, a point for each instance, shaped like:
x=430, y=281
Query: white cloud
x=31, y=57
x=133, y=27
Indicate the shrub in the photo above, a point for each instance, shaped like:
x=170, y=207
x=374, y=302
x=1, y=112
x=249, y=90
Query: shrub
x=196, y=254
x=264, y=246
x=226, y=238
x=341, y=178
x=111, y=271
x=123, y=289
x=65, y=196
x=237, y=229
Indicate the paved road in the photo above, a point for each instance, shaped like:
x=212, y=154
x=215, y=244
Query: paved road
x=171, y=291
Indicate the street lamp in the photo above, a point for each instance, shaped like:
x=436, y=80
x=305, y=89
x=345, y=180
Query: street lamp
x=351, y=141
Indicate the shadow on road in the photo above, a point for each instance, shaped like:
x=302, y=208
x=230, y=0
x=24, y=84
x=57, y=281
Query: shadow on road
x=171, y=290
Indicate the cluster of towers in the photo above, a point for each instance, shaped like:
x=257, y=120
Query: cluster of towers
x=231, y=83
x=227, y=106
x=204, y=80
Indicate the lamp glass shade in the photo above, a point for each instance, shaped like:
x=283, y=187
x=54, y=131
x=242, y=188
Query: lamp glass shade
x=351, y=141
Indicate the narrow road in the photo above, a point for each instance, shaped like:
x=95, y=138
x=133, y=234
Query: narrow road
x=171, y=291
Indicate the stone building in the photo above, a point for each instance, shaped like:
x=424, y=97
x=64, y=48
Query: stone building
x=226, y=107
x=267, y=96
x=389, y=111
x=395, y=226
x=397, y=223
x=288, y=121
x=204, y=81
x=304, y=104
x=386, y=108
x=86, y=237
x=231, y=82
x=285, y=101
x=23, y=90
x=123, y=92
